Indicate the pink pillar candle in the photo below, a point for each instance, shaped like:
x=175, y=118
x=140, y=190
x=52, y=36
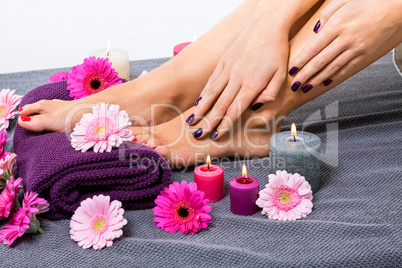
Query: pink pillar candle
x=209, y=179
x=180, y=47
x=243, y=194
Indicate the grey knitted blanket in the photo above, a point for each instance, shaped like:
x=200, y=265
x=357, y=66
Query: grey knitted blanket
x=357, y=215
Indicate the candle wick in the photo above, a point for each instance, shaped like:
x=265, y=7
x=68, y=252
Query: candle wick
x=294, y=138
x=208, y=166
x=108, y=53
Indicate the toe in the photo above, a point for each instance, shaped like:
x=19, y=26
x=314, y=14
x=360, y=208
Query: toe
x=141, y=135
x=40, y=107
x=41, y=122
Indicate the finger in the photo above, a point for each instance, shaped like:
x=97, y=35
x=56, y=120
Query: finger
x=270, y=92
x=329, y=10
x=211, y=92
x=219, y=109
x=325, y=76
x=212, y=79
x=317, y=63
x=234, y=111
x=313, y=48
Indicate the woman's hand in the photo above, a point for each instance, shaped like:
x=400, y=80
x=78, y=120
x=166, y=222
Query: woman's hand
x=250, y=72
x=348, y=31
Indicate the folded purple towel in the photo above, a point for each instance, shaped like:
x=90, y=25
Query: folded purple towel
x=51, y=167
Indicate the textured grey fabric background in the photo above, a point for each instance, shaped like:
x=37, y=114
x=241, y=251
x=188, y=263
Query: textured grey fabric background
x=356, y=220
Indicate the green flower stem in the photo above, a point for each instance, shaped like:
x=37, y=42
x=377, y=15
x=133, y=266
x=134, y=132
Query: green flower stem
x=40, y=230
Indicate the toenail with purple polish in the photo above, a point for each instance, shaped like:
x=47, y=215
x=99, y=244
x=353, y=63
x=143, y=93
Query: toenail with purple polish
x=293, y=70
x=190, y=119
x=327, y=82
x=198, y=101
x=317, y=26
x=214, y=135
x=307, y=88
x=257, y=106
x=197, y=133
x=296, y=85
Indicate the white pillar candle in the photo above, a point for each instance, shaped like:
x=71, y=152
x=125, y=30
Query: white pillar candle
x=118, y=58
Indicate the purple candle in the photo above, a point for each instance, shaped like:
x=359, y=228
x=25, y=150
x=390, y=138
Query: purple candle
x=243, y=194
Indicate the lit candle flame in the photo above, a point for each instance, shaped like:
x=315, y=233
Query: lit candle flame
x=108, y=48
x=293, y=131
x=244, y=171
x=208, y=161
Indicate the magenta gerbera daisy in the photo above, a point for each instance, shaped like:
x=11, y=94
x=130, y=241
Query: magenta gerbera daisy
x=182, y=207
x=16, y=227
x=93, y=76
x=60, y=76
x=8, y=102
x=97, y=222
x=102, y=129
x=33, y=204
x=8, y=197
x=286, y=197
x=3, y=141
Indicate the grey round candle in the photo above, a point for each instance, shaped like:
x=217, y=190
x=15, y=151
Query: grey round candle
x=297, y=154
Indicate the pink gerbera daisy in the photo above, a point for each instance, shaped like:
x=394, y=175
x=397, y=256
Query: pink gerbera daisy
x=102, y=129
x=182, y=206
x=3, y=141
x=7, y=166
x=8, y=197
x=33, y=204
x=286, y=197
x=60, y=76
x=97, y=222
x=93, y=76
x=17, y=226
x=8, y=102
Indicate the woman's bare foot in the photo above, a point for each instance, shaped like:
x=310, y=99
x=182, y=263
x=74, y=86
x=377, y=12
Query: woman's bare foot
x=152, y=99
x=248, y=138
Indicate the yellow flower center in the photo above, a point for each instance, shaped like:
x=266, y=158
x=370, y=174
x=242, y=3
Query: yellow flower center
x=2, y=110
x=100, y=130
x=285, y=198
x=99, y=224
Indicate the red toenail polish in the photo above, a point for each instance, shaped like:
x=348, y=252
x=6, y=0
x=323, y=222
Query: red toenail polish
x=135, y=139
x=144, y=142
x=25, y=118
x=20, y=110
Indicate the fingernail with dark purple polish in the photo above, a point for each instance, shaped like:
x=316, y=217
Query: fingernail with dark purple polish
x=190, y=119
x=198, y=101
x=327, y=82
x=293, y=70
x=197, y=133
x=307, y=88
x=296, y=85
x=257, y=106
x=214, y=135
x=317, y=26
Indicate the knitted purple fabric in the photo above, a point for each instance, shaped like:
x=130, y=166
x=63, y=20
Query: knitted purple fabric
x=50, y=166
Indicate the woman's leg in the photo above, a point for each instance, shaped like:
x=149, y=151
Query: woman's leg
x=178, y=82
x=250, y=135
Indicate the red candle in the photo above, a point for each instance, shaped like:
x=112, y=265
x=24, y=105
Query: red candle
x=209, y=179
x=179, y=48
x=243, y=194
